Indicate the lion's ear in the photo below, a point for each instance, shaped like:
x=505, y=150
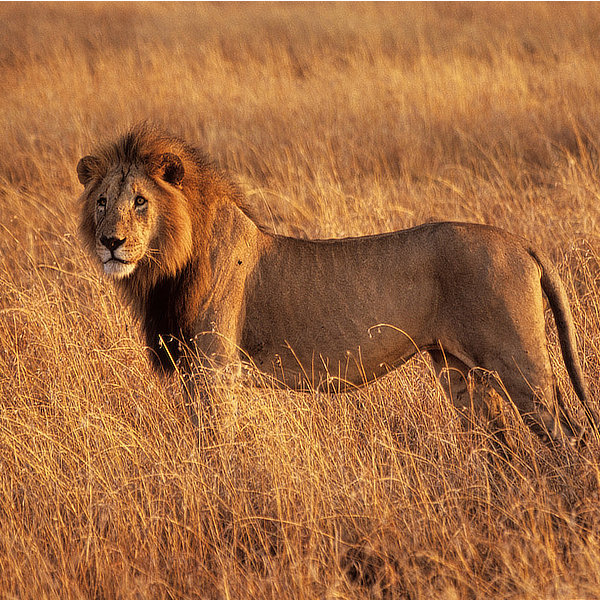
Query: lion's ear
x=171, y=168
x=87, y=169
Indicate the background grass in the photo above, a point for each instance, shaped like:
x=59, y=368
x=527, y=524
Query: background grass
x=337, y=119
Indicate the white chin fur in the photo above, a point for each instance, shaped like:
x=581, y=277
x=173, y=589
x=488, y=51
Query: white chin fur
x=117, y=269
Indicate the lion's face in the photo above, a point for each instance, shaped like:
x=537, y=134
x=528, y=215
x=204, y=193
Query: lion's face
x=136, y=214
x=127, y=219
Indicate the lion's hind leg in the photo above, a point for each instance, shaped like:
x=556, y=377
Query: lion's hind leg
x=471, y=390
x=543, y=410
x=453, y=375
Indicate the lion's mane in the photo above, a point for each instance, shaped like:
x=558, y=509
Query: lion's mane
x=166, y=291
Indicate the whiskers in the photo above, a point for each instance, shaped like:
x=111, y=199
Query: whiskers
x=152, y=255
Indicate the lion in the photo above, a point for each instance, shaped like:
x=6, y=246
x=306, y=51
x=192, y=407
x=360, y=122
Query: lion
x=213, y=288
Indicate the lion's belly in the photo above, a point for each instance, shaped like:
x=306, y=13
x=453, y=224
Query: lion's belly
x=354, y=366
x=342, y=349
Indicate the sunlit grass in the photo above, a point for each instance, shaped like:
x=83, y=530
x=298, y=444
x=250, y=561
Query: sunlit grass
x=337, y=119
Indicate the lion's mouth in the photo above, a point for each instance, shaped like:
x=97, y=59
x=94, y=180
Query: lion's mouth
x=119, y=260
x=117, y=267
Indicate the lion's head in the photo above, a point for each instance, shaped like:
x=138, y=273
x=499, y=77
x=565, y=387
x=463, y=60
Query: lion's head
x=135, y=214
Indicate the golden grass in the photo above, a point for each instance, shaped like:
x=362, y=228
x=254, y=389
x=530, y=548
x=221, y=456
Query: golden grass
x=342, y=119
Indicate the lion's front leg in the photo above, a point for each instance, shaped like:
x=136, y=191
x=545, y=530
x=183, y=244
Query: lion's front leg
x=195, y=399
x=207, y=379
x=204, y=386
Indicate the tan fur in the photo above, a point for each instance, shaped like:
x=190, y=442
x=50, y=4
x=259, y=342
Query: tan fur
x=211, y=286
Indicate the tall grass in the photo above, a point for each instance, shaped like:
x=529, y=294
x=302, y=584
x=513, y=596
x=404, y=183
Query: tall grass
x=336, y=119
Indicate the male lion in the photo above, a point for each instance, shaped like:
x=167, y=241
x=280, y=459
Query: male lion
x=211, y=287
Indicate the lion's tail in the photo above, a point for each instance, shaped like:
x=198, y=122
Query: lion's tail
x=554, y=289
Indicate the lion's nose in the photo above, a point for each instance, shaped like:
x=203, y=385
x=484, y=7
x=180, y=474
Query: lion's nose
x=112, y=243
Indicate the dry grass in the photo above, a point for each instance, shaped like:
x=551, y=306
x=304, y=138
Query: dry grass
x=341, y=119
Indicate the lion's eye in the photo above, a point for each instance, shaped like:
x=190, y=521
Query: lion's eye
x=140, y=201
x=101, y=202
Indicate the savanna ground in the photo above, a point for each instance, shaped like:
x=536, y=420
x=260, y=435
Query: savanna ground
x=337, y=120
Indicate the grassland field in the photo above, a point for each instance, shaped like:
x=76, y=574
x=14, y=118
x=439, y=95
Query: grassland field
x=336, y=119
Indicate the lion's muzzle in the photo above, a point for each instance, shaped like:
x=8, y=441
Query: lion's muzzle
x=110, y=251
